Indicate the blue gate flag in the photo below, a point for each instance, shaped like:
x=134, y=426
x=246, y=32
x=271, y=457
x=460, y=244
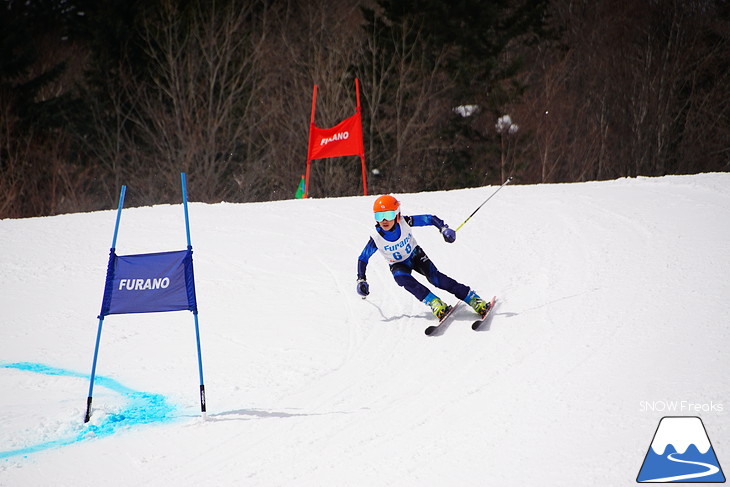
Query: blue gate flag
x=148, y=283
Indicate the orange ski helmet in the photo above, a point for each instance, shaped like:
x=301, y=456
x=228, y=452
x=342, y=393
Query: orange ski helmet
x=386, y=207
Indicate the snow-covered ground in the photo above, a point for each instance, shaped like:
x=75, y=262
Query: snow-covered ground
x=613, y=311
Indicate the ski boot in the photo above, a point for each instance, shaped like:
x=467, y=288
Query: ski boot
x=477, y=303
x=438, y=307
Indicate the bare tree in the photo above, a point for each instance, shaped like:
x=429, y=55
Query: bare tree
x=13, y=156
x=193, y=109
x=627, y=91
x=406, y=104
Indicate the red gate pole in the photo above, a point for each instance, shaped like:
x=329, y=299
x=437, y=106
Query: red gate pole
x=362, y=144
x=309, y=144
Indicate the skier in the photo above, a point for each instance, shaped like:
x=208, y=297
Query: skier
x=392, y=236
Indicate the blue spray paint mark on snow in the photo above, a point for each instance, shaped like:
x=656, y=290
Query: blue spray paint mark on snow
x=140, y=408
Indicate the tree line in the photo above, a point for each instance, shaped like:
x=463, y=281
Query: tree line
x=95, y=94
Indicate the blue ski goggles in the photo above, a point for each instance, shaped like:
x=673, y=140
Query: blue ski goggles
x=385, y=215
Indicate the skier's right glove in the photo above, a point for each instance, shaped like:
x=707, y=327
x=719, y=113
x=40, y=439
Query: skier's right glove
x=362, y=287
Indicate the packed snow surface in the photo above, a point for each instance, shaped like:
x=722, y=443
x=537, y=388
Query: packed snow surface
x=613, y=311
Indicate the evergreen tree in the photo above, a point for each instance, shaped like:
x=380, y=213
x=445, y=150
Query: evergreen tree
x=34, y=96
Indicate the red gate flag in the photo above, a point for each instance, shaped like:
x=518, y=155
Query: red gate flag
x=344, y=139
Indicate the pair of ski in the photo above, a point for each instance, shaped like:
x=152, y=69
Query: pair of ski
x=434, y=329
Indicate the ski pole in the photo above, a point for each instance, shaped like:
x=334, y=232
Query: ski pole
x=480, y=206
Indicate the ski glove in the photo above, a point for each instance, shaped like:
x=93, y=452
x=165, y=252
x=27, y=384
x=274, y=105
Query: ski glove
x=363, y=289
x=449, y=234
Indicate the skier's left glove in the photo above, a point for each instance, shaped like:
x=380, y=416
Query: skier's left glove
x=363, y=289
x=449, y=234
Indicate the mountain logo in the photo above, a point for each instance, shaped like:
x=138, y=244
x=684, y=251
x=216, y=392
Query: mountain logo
x=680, y=452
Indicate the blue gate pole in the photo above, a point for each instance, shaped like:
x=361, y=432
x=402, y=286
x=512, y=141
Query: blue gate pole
x=87, y=417
x=195, y=312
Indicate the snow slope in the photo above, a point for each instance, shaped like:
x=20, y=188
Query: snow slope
x=613, y=311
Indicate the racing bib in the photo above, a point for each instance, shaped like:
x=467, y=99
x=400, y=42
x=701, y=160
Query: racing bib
x=399, y=250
